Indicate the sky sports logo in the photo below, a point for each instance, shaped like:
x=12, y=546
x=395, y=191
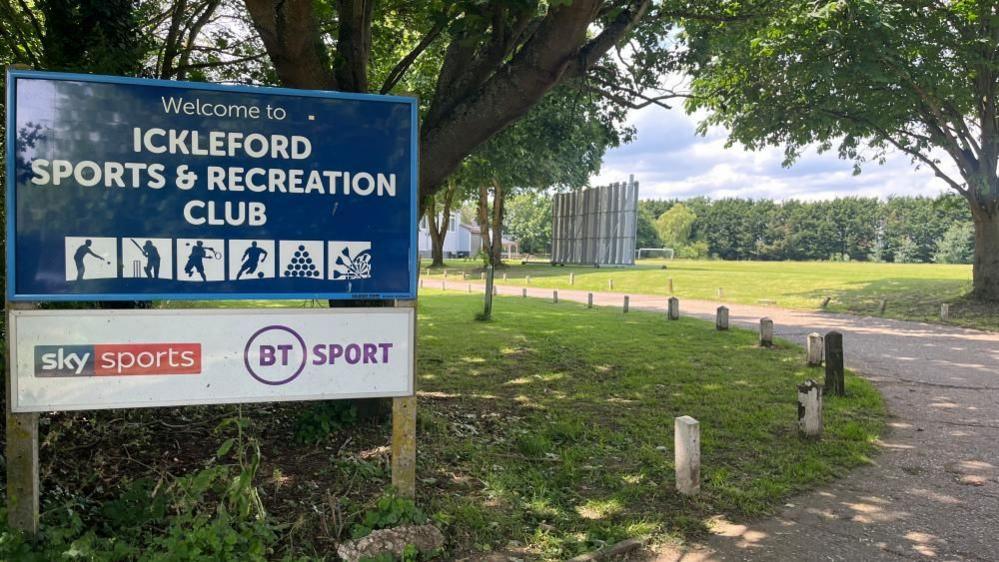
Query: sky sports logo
x=117, y=359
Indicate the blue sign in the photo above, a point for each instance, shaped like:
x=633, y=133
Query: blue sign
x=129, y=189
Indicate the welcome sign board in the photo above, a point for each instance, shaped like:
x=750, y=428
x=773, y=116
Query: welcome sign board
x=129, y=189
x=97, y=359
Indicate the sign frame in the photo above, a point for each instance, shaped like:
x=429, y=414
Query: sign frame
x=12, y=75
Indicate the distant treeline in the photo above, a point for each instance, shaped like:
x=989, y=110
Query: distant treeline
x=897, y=229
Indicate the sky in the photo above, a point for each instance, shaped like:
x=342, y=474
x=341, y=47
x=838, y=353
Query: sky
x=670, y=160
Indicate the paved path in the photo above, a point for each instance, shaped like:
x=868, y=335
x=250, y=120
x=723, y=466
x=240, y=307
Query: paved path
x=933, y=493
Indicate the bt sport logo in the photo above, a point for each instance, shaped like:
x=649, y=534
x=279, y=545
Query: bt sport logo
x=117, y=359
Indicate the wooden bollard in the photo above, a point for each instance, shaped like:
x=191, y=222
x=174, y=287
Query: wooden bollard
x=572, y=278
x=626, y=303
x=766, y=332
x=810, y=409
x=673, y=308
x=945, y=311
x=835, y=382
x=443, y=285
x=671, y=285
x=610, y=284
x=555, y=296
x=445, y=274
x=527, y=279
x=721, y=318
x=421, y=283
x=687, y=455
x=825, y=302
x=882, y=306
x=504, y=276
x=589, y=300
x=469, y=287
x=523, y=292
x=813, y=349
x=721, y=293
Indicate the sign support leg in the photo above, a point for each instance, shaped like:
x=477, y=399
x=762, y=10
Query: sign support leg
x=22, y=457
x=404, y=445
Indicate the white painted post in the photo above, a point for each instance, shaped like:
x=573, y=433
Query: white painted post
x=443, y=285
x=527, y=279
x=687, y=454
x=555, y=296
x=721, y=293
x=626, y=303
x=523, y=292
x=610, y=284
x=572, y=278
x=721, y=318
x=945, y=311
x=445, y=274
x=766, y=332
x=504, y=276
x=589, y=300
x=810, y=409
x=813, y=349
x=673, y=310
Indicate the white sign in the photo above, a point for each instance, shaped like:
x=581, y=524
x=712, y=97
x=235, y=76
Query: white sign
x=97, y=359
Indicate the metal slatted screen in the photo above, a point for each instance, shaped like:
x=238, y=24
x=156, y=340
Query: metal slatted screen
x=596, y=226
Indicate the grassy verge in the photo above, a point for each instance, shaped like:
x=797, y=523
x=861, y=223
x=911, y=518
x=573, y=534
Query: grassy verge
x=913, y=291
x=543, y=433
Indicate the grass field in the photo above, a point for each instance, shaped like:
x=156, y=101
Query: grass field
x=543, y=433
x=913, y=291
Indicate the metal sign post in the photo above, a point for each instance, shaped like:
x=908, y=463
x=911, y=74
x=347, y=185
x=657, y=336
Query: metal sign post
x=130, y=189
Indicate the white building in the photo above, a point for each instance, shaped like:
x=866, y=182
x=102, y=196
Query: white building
x=461, y=240
x=457, y=241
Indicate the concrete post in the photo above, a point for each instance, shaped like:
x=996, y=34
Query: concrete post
x=610, y=284
x=673, y=308
x=945, y=311
x=555, y=296
x=721, y=293
x=835, y=382
x=523, y=292
x=443, y=285
x=626, y=303
x=810, y=409
x=589, y=300
x=527, y=279
x=572, y=278
x=445, y=274
x=721, y=318
x=469, y=288
x=813, y=349
x=504, y=276
x=687, y=454
x=766, y=332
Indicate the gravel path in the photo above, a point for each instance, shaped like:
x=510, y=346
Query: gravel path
x=933, y=493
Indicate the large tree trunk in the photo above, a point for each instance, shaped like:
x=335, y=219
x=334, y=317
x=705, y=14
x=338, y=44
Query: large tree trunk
x=438, y=231
x=986, y=268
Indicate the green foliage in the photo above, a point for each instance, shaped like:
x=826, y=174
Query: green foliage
x=529, y=221
x=390, y=510
x=319, y=419
x=213, y=513
x=957, y=244
x=675, y=225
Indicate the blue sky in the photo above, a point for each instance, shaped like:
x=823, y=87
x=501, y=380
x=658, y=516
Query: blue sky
x=670, y=161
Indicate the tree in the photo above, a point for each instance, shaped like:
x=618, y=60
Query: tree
x=559, y=144
x=957, y=244
x=529, y=221
x=438, y=221
x=498, y=59
x=917, y=76
x=675, y=225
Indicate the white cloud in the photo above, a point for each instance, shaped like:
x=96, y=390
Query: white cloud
x=670, y=160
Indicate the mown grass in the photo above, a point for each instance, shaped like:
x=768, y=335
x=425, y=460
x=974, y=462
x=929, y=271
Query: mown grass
x=563, y=418
x=543, y=433
x=913, y=291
